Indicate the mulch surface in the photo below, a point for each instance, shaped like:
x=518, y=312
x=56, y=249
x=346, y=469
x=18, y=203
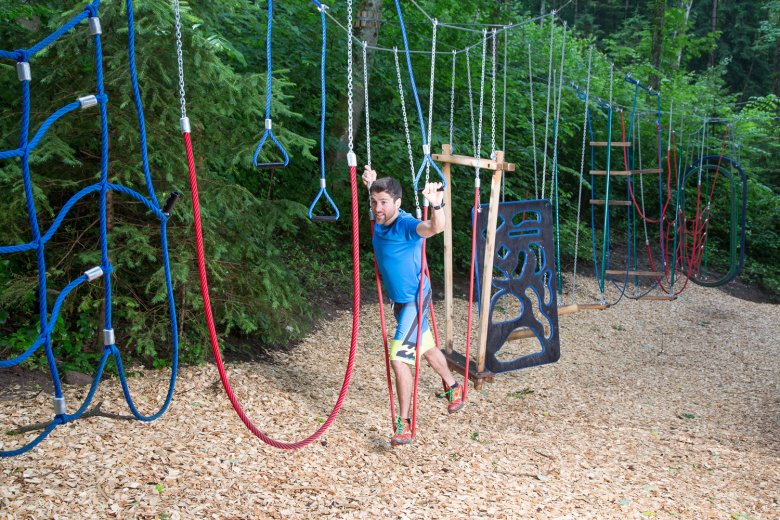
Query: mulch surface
x=655, y=410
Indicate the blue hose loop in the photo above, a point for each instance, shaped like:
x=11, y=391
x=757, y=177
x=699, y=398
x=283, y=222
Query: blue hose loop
x=268, y=131
x=323, y=189
x=427, y=160
x=32, y=444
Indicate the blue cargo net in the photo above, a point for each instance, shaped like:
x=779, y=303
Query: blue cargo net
x=48, y=319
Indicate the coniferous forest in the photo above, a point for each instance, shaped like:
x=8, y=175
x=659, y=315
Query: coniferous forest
x=715, y=64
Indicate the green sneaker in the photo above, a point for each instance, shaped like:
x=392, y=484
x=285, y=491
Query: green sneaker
x=403, y=433
x=455, y=398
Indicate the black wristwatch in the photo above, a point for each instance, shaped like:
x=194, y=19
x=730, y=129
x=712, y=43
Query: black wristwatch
x=439, y=206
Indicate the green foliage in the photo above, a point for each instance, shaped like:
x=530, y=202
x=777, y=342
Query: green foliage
x=269, y=268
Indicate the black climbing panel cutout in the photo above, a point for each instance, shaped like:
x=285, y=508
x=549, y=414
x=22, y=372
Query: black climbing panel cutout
x=524, y=273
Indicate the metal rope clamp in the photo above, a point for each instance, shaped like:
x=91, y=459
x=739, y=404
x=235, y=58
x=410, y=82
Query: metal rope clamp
x=23, y=71
x=59, y=405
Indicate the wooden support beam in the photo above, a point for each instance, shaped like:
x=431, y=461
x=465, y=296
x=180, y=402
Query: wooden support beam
x=487, y=268
x=622, y=272
x=465, y=160
x=448, y=289
x=611, y=202
x=622, y=144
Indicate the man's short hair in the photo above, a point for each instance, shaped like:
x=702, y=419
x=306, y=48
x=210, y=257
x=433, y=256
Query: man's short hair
x=389, y=185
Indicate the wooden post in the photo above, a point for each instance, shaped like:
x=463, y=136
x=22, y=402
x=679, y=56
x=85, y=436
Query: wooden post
x=448, y=289
x=487, y=269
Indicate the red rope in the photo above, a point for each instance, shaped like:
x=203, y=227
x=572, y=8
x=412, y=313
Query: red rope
x=419, y=328
x=210, y=317
x=384, y=334
x=472, y=270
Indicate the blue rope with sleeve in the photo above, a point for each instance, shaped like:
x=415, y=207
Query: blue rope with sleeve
x=323, y=189
x=48, y=320
x=269, y=134
x=427, y=159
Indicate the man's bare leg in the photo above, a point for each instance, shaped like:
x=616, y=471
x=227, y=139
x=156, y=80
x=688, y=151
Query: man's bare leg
x=438, y=363
x=403, y=386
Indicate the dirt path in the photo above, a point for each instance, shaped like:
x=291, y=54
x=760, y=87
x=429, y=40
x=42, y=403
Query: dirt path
x=656, y=410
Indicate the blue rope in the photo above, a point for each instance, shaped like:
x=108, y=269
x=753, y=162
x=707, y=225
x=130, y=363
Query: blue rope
x=268, y=132
x=323, y=189
x=48, y=320
x=427, y=160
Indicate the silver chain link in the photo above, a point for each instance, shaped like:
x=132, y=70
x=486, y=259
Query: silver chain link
x=471, y=103
x=582, y=171
x=533, y=122
x=365, y=98
x=503, y=115
x=494, y=72
x=452, y=102
x=478, y=147
x=406, y=126
x=430, y=98
x=180, y=59
x=547, y=112
x=554, y=175
x=349, y=76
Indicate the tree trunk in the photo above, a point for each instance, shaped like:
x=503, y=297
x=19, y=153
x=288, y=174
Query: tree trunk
x=688, y=6
x=714, y=27
x=367, y=31
x=659, y=10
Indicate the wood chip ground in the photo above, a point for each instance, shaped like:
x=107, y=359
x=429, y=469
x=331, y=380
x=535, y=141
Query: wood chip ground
x=655, y=410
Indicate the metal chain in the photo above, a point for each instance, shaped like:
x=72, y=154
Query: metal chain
x=554, y=175
x=493, y=100
x=406, y=128
x=365, y=98
x=503, y=123
x=638, y=138
x=180, y=59
x=471, y=103
x=533, y=122
x=547, y=112
x=350, y=144
x=503, y=117
x=582, y=171
x=478, y=148
x=430, y=98
x=452, y=101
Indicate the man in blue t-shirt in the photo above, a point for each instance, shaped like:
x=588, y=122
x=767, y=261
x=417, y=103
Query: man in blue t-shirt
x=397, y=241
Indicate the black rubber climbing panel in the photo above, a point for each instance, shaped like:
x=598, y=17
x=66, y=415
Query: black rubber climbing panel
x=524, y=268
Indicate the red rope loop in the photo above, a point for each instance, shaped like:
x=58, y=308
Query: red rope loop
x=210, y=317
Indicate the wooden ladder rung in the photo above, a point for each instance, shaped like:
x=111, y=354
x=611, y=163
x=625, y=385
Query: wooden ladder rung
x=521, y=334
x=622, y=272
x=658, y=298
x=611, y=202
x=651, y=170
x=623, y=173
x=592, y=307
x=623, y=144
x=568, y=309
